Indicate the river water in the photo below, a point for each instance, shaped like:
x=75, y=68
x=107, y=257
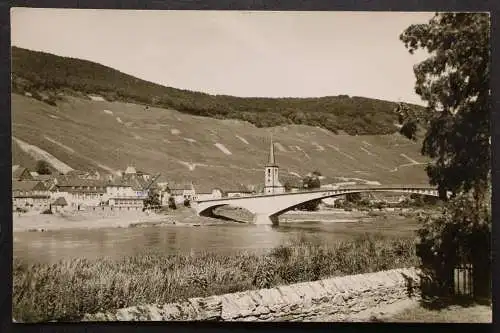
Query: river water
x=52, y=246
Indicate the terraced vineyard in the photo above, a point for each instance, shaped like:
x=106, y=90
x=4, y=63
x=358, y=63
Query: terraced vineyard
x=107, y=136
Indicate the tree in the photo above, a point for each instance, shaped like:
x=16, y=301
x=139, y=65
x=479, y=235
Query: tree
x=171, y=203
x=153, y=199
x=454, y=81
x=287, y=186
x=311, y=182
x=43, y=168
x=462, y=234
x=353, y=197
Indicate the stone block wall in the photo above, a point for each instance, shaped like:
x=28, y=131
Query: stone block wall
x=336, y=298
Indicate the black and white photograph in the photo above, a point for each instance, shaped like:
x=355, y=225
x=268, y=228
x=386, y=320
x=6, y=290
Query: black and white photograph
x=304, y=166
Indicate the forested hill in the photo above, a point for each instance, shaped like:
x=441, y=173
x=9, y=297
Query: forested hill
x=45, y=75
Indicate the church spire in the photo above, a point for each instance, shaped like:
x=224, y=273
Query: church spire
x=271, y=153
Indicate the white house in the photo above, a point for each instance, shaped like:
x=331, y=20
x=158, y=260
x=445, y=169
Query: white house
x=79, y=193
x=203, y=193
x=182, y=192
x=238, y=191
x=30, y=194
x=125, y=193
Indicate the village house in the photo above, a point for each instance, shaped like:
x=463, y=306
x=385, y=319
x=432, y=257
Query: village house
x=180, y=193
x=238, y=191
x=292, y=183
x=144, y=175
x=80, y=193
x=126, y=193
x=58, y=205
x=161, y=185
x=29, y=194
x=206, y=193
x=21, y=173
x=48, y=180
x=95, y=175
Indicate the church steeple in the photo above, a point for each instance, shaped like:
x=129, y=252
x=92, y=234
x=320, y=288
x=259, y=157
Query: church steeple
x=271, y=182
x=272, y=161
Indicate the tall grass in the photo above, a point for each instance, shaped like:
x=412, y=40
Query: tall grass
x=65, y=291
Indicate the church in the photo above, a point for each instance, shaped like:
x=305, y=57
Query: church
x=272, y=184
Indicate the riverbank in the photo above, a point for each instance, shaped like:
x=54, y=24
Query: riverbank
x=71, y=288
x=187, y=217
x=50, y=222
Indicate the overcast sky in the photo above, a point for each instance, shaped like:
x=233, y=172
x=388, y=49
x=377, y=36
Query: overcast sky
x=272, y=54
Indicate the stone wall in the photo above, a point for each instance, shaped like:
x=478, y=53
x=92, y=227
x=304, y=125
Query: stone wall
x=336, y=298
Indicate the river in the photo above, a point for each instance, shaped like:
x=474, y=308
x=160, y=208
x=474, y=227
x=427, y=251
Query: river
x=52, y=246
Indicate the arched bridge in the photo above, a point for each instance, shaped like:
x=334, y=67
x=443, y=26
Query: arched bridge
x=267, y=207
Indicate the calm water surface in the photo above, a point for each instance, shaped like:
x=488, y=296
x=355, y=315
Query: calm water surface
x=52, y=246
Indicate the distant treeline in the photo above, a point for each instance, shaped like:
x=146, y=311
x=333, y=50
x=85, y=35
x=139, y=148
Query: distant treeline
x=38, y=72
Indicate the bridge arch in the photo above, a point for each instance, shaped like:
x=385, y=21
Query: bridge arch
x=209, y=211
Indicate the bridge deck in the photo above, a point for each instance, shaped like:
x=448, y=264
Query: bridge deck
x=336, y=190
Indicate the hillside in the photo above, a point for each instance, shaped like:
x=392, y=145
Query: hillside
x=107, y=136
x=44, y=76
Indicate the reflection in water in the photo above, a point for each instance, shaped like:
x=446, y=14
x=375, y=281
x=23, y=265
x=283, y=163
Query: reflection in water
x=52, y=246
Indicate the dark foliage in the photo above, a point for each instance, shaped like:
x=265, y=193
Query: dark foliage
x=43, y=167
x=454, y=81
x=353, y=197
x=311, y=182
x=36, y=72
x=461, y=235
x=171, y=203
x=153, y=199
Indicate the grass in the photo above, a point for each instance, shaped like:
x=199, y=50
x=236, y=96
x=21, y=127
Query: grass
x=67, y=290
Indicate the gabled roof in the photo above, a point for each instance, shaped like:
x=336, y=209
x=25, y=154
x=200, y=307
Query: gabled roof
x=176, y=191
x=65, y=181
x=177, y=186
x=130, y=170
x=203, y=189
x=137, y=183
x=81, y=185
x=240, y=188
x=76, y=173
x=60, y=202
x=28, y=185
x=21, y=172
x=44, y=178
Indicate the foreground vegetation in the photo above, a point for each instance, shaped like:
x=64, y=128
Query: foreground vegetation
x=69, y=289
x=45, y=75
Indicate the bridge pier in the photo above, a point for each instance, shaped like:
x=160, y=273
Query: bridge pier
x=265, y=219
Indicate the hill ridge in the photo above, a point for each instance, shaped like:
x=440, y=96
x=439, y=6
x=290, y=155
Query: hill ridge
x=45, y=76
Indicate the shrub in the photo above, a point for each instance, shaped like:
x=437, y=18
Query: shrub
x=171, y=203
x=461, y=234
x=43, y=167
x=47, y=211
